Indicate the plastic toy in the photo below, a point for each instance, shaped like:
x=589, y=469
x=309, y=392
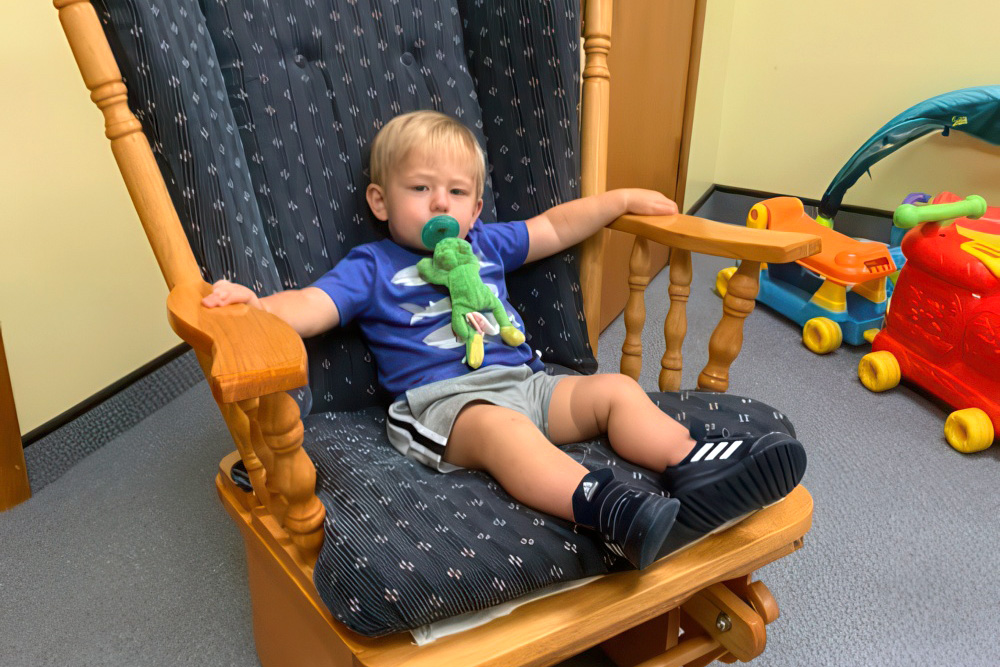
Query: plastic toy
x=802, y=293
x=942, y=330
x=837, y=295
x=456, y=266
x=970, y=110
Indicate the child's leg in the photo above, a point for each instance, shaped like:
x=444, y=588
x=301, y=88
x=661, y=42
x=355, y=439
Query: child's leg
x=585, y=406
x=503, y=442
x=509, y=446
x=717, y=478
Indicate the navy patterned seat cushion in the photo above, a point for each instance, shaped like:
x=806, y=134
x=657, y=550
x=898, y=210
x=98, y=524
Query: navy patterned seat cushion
x=406, y=546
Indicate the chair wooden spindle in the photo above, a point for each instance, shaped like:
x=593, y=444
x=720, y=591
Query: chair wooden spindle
x=727, y=339
x=293, y=472
x=596, y=104
x=675, y=324
x=646, y=642
x=245, y=416
x=241, y=419
x=635, y=309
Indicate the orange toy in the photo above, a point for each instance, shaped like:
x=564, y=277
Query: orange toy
x=843, y=260
x=836, y=295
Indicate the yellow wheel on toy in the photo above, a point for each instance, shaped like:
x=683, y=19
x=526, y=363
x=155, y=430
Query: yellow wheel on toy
x=758, y=216
x=969, y=430
x=879, y=371
x=822, y=335
x=722, y=280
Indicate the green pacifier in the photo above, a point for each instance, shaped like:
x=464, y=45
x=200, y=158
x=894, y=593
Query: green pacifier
x=438, y=228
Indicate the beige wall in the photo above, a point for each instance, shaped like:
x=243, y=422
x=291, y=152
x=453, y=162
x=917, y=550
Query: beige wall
x=806, y=83
x=707, y=126
x=81, y=298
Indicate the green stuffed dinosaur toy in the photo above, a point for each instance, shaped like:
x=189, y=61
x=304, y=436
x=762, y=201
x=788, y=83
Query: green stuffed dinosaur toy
x=455, y=266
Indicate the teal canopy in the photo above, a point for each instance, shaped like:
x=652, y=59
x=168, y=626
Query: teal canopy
x=975, y=111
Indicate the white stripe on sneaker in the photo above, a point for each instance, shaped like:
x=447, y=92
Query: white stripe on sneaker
x=732, y=448
x=702, y=452
x=715, y=452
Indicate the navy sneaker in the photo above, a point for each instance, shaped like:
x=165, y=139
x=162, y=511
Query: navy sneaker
x=634, y=524
x=728, y=476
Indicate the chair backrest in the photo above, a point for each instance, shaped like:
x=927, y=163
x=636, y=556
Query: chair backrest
x=260, y=114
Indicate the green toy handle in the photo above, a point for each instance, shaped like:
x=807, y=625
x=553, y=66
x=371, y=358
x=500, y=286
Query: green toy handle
x=438, y=228
x=909, y=216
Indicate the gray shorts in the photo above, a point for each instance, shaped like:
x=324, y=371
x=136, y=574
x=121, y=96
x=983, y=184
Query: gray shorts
x=419, y=425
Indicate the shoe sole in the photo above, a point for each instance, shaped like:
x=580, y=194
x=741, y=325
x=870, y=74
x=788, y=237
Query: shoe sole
x=658, y=526
x=682, y=539
x=768, y=473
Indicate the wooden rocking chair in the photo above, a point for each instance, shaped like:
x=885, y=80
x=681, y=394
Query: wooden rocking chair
x=690, y=609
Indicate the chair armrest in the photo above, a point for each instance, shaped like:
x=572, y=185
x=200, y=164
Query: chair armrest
x=687, y=232
x=252, y=352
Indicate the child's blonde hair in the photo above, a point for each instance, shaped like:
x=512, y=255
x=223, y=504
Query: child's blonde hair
x=432, y=132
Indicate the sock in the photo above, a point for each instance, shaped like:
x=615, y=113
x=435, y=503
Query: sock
x=585, y=505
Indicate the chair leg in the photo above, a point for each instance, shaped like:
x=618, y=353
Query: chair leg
x=710, y=657
x=645, y=641
x=288, y=629
x=728, y=620
x=722, y=622
x=291, y=628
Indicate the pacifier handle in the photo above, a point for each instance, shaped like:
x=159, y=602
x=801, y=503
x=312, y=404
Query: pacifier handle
x=437, y=229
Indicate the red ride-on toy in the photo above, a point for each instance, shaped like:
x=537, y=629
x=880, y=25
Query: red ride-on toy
x=942, y=329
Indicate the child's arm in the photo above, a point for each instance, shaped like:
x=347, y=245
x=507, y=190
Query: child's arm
x=567, y=224
x=309, y=311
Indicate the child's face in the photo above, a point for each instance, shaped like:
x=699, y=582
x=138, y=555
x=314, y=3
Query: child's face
x=423, y=186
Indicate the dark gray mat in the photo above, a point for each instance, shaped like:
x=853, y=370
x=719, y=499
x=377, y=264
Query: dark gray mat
x=52, y=455
x=129, y=558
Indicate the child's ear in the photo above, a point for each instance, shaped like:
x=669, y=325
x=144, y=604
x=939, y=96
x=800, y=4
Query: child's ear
x=479, y=209
x=376, y=201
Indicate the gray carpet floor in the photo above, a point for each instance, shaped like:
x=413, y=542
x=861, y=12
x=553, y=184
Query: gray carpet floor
x=127, y=557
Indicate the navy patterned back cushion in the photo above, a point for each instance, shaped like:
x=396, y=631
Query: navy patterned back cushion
x=525, y=60
x=175, y=89
x=271, y=186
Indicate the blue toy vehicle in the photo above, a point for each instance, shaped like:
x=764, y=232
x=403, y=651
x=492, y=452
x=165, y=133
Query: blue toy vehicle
x=839, y=294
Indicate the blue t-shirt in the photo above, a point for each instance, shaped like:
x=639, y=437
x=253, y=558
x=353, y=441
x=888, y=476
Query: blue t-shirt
x=407, y=321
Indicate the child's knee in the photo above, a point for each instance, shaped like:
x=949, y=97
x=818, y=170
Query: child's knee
x=620, y=386
x=614, y=393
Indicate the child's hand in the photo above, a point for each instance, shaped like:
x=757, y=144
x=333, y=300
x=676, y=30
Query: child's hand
x=648, y=202
x=225, y=293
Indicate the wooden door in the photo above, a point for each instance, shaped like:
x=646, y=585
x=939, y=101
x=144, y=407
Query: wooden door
x=14, y=487
x=655, y=52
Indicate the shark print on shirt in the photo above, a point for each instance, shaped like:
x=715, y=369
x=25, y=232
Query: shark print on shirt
x=407, y=322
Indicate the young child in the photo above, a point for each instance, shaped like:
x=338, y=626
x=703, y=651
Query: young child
x=506, y=416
